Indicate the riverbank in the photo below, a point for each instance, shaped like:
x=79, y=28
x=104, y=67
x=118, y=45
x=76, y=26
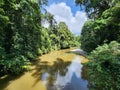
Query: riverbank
x=48, y=64
x=62, y=54
x=78, y=51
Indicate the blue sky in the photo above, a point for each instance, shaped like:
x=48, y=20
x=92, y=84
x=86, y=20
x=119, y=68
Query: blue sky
x=71, y=3
x=67, y=11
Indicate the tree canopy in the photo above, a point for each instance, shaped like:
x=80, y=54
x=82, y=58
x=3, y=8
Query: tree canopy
x=95, y=8
x=102, y=30
x=100, y=37
x=23, y=37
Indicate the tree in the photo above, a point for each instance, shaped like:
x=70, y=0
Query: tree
x=65, y=35
x=88, y=41
x=45, y=44
x=20, y=33
x=22, y=36
x=104, y=67
x=102, y=30
x=95, y=8
x=98, y=39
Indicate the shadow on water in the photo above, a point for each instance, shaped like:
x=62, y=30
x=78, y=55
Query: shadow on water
x=57, y=74
x=61, y=75
x=43, y=68
x=7, y=79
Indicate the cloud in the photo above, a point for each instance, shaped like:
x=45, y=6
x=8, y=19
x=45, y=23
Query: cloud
x=62, y=12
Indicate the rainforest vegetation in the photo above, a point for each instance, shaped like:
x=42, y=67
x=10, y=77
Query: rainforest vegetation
x=23, y=36
x=100, y=37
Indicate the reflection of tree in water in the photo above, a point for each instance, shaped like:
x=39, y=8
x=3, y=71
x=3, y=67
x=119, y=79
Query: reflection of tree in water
x=44, y=67
x=61, y=75
x=58, y=66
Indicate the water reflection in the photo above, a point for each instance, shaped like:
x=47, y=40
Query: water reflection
x=65, y=76
x=53, y=71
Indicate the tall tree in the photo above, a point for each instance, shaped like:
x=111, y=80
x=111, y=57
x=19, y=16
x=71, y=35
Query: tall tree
x=103, y=30
x=95, y=8
x=21, y=31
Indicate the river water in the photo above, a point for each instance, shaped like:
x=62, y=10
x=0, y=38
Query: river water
x=58, y=70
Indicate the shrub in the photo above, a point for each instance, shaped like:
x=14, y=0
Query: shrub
x=105, y=67
x=15, y=65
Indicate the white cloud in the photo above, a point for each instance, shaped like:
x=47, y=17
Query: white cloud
x=62, y=12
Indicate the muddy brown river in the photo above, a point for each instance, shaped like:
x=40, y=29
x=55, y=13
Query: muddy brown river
x=58, y=70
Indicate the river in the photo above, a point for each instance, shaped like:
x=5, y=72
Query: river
x=58, y=70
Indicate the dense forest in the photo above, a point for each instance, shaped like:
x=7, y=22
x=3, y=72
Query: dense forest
x=100, y=37
x=23, y=36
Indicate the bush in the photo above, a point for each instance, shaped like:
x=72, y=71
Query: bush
x=15, y=65
x=64, y=45
x=105, y=67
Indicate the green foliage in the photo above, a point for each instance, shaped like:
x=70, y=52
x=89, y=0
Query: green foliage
x=66, y=37
x=104, y=67
x=95, y=8
x=2, y=54
x=105, y=59
x=20, y=30
x=102, y=30
x=45, y=44
x=88, y=40
x=60, y=36
x=22, y=36
x=14, y=65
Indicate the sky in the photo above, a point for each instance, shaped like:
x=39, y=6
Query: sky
x=67, y=11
